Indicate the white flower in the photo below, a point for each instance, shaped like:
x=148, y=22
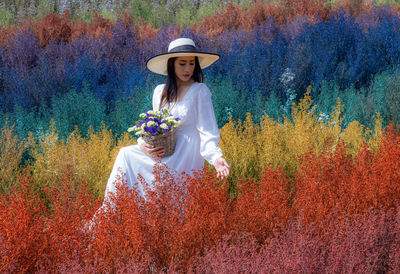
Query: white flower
x=287, y=76
x=142, y=115
x=132, y=129
x=164, y=126
x=150, y=123
x=153, y=112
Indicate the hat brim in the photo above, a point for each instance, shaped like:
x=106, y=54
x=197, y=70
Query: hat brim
x=158, y=63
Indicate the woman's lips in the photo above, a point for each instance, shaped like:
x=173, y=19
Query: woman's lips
x=186, y=75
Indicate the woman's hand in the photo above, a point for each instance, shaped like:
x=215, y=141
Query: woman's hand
x=222, y=168
x=151, y=151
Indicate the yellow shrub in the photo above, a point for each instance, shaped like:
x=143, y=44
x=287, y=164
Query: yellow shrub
x=353, y=137
x=376, y=135
x=250, y=148
x=90, y=158
x=11, y=152
x=282, y=144
x=239, y=145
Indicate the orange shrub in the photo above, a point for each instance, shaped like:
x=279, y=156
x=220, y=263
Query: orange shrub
x=22, y=236
x=118, y=230
x=72, y=205
x=225, y=19
x=311, y=8
x=145, y=30
x=335, y=180
x=53, y=27
x=100, y=26
x=233, y=16
x=184, y=216
x=262, y=206
x=7, y=34
x=180, y=216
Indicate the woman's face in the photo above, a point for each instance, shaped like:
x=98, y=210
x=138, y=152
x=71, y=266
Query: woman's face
x=184, y=67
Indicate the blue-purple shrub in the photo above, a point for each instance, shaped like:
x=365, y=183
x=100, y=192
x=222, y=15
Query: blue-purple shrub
x=346, y=50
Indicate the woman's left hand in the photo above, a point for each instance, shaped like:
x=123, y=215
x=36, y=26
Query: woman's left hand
x=222, y=168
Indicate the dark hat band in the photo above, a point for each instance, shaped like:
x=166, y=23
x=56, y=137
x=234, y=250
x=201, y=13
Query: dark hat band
x=183, y=48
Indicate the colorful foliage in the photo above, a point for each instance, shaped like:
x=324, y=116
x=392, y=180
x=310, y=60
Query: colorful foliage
x=22, y=223
x=314, y=179
x=12, y=150
x=88, y=158
x=335, y=180
x=104, y=60
x=362, y=243
x=262, y=206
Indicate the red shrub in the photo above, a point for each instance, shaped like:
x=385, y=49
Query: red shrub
x=145, y=30
x=22, y=235
x=79, y=29
x=226, y=18
x=51, y=238
x=313, y=8
x=362, y=244
x=352, y=185
x=353, y=6
x=385, y=180
x=233, y=16
x=233, y=254
x=53, y=27
x=184, y=216
x=319, y=184
x=100, y=26
x=72, y=206
x=259, y=12
x=7, y=33
x=119, y=235
x=180, y=217
x=262, y=206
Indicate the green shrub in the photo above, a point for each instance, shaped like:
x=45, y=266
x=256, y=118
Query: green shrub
x=77, y=109
x=127, y=109
x=5, y=17
x=227, y=100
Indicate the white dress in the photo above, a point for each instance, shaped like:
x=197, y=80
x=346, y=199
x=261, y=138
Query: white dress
x=196, y=140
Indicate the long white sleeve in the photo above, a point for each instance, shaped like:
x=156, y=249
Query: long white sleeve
x=207, y=126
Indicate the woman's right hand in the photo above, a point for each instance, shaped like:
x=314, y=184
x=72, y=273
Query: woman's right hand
x=151, y=151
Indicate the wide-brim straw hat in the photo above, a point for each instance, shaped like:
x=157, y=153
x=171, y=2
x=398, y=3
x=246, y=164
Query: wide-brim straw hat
x=178, y=48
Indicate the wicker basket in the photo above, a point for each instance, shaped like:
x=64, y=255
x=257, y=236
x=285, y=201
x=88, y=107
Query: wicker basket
x=165, y=140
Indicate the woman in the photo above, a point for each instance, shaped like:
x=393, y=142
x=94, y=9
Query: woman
x=186, y=97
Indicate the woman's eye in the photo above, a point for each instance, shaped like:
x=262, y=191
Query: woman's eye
x=190, y=64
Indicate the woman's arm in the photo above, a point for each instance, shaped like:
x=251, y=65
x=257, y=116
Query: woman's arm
x=209, y=132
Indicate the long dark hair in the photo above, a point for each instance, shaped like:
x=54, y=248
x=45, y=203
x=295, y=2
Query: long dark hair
x=170, y=93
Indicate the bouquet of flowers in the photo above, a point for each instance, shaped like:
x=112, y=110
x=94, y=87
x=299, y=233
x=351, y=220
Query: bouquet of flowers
x=157, y=129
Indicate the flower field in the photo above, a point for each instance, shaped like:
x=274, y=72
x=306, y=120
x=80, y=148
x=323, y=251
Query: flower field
x=307, y=99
